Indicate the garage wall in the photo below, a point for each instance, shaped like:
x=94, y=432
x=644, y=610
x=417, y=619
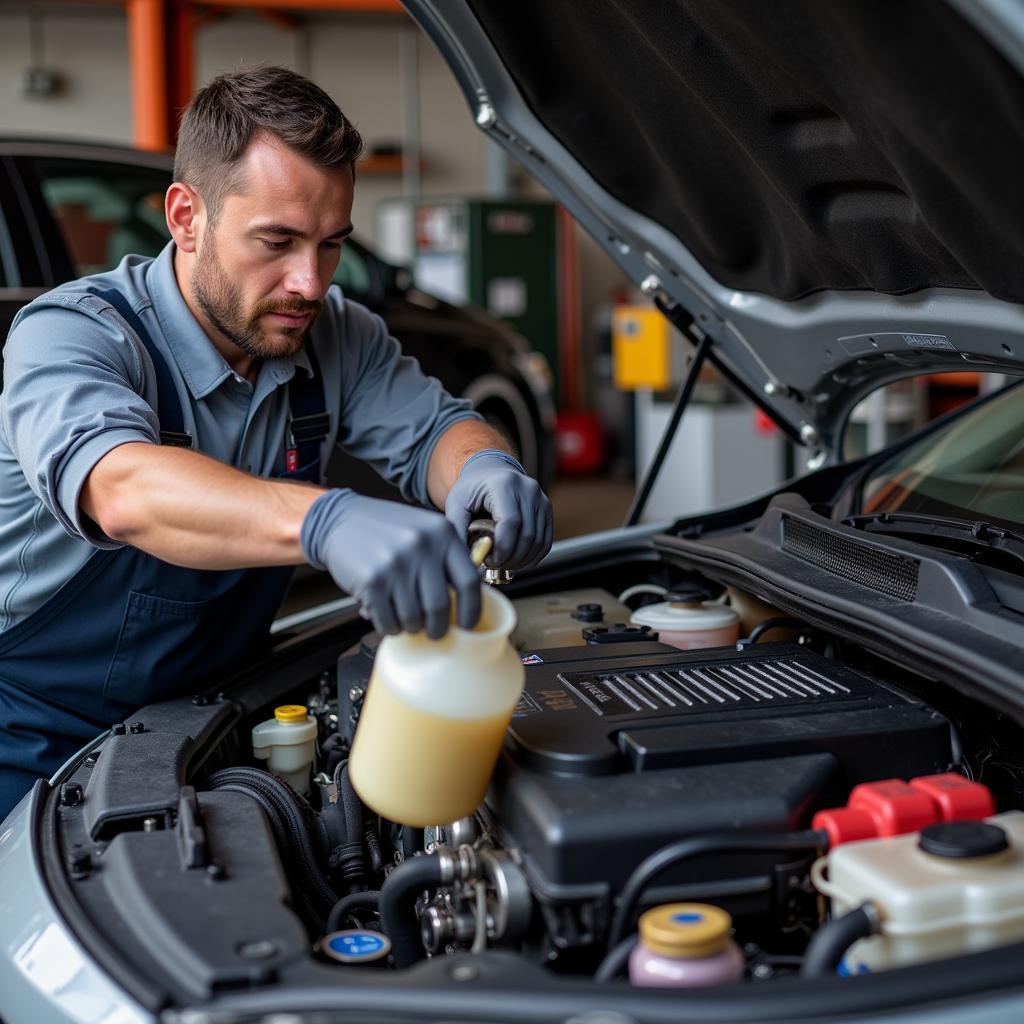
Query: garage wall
x=356, y=59
x=89, y=49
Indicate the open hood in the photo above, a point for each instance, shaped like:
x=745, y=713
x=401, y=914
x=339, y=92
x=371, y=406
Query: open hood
x=834, y=193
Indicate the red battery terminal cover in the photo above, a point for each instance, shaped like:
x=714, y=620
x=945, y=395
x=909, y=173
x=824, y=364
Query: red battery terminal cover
x=894, y=807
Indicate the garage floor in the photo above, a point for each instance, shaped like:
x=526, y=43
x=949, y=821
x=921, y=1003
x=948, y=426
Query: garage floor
x=586, y=504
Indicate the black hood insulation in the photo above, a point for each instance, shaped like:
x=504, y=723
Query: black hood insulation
x=792, y=146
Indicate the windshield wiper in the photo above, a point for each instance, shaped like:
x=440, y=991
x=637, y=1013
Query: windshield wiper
x=967, y=537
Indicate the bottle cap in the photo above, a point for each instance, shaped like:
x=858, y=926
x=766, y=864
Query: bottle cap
x=290, y=713
x=590, y=612
x=685, y=930
x=963, y=839
x=356, y=946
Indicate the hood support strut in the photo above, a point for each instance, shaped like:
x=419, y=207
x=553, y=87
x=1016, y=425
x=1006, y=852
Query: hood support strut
x=675, y=313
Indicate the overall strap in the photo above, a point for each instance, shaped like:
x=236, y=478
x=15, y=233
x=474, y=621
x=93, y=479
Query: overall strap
x=172, y=424
x=309, y=422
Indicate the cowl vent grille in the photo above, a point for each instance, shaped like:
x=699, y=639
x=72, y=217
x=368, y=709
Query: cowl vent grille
x=887, y=573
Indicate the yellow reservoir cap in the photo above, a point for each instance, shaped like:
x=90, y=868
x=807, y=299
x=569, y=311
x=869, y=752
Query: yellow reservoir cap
x=290, y=713
x=685, y=930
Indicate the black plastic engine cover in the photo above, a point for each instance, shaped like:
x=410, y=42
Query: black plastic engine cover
x=612, y=755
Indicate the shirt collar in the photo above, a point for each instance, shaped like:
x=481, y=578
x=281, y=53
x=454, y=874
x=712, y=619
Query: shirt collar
x=202, y=367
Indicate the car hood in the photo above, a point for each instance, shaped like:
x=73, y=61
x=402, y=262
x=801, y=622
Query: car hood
x=832, y=192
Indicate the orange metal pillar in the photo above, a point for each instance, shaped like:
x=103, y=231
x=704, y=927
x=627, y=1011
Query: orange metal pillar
x=182, y=29
x=147, y=41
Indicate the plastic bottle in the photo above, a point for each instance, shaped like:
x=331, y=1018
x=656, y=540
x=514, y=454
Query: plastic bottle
x=687, y=621
x=287, y=742
x=434, y=718
x=685, y=945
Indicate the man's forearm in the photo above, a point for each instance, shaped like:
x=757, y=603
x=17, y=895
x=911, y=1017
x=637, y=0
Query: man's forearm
x=191, y=510
x=456, y=445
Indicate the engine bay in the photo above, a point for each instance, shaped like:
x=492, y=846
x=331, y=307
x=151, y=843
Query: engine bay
x=620, y=746
x=781, y=787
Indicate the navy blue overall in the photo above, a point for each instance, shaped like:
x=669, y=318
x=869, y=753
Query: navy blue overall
x=128, y=628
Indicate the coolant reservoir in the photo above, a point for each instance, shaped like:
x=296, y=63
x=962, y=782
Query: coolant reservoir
x=687, y=621
x=434, y=718
x=952, y=888
x=287, y=742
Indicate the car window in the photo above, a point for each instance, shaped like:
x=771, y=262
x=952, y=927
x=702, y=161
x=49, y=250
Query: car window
x=105, y=210
x=353, y=274
x=972, y=468
x=897, y=409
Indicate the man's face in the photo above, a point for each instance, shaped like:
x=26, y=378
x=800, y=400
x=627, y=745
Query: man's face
x=261, y=271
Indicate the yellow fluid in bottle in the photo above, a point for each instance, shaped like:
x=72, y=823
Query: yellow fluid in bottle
x=418, y=768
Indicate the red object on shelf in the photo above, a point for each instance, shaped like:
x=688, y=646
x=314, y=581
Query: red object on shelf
x=763, y=423
x=580, y=442
x=894, y=807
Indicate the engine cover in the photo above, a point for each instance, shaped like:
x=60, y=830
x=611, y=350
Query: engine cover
x=615, y=752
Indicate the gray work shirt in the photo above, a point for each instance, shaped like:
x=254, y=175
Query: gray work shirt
x=78, y=383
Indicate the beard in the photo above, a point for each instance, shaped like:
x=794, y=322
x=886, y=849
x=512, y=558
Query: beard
x=221, y=301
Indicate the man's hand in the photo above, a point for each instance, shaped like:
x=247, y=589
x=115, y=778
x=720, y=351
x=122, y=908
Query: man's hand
x=397, y=561
x=493, y=481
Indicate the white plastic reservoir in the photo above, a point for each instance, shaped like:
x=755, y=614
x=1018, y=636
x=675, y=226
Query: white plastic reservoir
x=947, y=890
x=687, y=621
x=287, y=742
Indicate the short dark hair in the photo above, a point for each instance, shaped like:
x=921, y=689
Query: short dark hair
x=225, y=116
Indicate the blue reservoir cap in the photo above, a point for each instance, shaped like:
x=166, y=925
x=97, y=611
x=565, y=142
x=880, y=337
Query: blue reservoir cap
x=356, y=946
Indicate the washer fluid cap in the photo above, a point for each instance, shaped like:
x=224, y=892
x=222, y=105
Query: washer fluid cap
x=290, y=714
x=685, y=929
x=356, y=946
x=669, y=616
x=960, y=840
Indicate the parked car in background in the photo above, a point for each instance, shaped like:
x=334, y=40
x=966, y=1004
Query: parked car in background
x=70, y=209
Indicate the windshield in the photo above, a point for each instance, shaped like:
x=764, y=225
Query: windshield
x=972, y=469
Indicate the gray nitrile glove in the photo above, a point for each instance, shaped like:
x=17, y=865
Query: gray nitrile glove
x=398, y=561
x=492, y=480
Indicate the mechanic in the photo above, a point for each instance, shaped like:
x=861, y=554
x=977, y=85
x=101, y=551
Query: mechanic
x=164, y=429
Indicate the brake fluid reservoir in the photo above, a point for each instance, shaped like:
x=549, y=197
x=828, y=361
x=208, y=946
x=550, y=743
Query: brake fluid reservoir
x=434, y=718
x=951, y=888
x=287, y=742
x=685, y=620
x=685, y=945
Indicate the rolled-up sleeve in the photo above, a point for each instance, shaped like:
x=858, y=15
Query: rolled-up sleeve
x=392, y=413
x=73, y=387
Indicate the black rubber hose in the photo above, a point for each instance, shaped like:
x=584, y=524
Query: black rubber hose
x=290, y=806
x=397, y=906
x=780, y=622
x=610, y=967
x=307, y=905
x=351, y=860
x=355, y=901
x=373, y=849
x=714, y=842
x=832, y=940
